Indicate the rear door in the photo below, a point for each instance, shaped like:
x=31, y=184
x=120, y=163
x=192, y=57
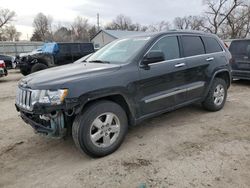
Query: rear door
x=240, y=51
x=198, y=62
x=162, y=85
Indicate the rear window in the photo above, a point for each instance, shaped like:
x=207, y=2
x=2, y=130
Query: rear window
x=211, y=45
x=240, y=47
x=192, y=45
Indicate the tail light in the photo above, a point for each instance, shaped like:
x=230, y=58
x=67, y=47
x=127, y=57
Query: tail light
x=2, y=64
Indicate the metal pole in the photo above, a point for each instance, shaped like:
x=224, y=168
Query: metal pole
x=98, y=22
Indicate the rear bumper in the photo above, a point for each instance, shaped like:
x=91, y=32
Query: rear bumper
x=239, y=74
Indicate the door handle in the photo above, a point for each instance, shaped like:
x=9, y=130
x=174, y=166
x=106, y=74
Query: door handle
x=210, y=59
x=180, y=65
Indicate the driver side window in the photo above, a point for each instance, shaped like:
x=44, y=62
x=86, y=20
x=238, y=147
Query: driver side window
x=169, y=46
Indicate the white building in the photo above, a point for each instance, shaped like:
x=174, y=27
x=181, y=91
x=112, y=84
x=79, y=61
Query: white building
x=104, y=37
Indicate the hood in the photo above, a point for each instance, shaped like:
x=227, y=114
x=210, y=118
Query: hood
x=63, y=76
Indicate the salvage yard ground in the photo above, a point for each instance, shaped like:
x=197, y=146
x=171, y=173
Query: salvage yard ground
x=186, y=148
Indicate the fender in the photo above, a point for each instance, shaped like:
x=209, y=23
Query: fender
x=212, y=79
x=84, y=99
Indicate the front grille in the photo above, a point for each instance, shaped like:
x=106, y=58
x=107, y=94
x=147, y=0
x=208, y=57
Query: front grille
x=23, y=98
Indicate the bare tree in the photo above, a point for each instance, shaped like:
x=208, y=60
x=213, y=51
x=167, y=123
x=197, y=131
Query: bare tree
x=80, y=29
x=92, y=31
x=62, y=34
x=122, y=22
x=161, y=26
x=6, y=16
x=11, y=34
x=237, y=24
x=218, y=11
x=42, y=26
x=189, y=22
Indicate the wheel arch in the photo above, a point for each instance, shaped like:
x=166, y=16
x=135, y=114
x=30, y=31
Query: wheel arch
x=116, y=98
x=224, y=74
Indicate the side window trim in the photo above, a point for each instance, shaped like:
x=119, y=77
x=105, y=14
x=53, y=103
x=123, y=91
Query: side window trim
x=218, y=42
x=162, y=37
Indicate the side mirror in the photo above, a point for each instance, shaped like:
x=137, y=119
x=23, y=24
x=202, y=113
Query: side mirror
x=153, y=57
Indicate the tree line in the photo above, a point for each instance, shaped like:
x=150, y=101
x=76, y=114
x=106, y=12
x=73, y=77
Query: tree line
x=226, y=18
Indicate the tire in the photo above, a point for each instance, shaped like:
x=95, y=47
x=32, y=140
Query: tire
x=24, y=72
x=84, y=128
x=38, y=67
x=210, y=102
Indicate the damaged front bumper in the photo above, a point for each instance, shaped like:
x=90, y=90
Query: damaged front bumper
x=51, y=125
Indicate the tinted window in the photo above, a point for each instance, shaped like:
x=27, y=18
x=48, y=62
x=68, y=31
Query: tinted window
x=192, y=45
x=75, y=48
x=211, y=45
x=64, y=48
x=240, y=47
x=169, y=46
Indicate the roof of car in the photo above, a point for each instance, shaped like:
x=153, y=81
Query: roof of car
x=175, y=32
x=126, y=34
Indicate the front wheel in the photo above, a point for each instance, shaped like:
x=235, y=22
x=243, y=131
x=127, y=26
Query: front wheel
x=100, y=129
x=217, y=95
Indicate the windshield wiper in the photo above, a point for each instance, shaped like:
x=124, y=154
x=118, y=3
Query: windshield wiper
x=99, y=61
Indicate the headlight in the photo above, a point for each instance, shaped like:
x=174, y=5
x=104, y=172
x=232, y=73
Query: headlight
x=49, y=97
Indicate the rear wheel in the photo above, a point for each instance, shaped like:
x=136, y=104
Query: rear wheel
x=38, y=67
x=100, y=129
x=217, y=95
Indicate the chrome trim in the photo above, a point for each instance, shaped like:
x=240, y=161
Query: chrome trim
x=210, y=59
x=165, y=95
x=196, y=87
x=23, y=98
x=181, y=58
x=174, y=93
x=180, y=65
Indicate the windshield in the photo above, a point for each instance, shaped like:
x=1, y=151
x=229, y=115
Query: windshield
x=119, y=51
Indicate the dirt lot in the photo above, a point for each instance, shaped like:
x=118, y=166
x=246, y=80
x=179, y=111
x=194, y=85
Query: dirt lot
x=186, y=148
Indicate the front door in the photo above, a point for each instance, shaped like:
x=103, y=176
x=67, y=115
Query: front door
x=162, y=84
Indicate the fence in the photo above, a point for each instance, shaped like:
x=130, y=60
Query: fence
x=15, y=48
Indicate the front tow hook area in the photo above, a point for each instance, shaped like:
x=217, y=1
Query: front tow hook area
x=56, y=128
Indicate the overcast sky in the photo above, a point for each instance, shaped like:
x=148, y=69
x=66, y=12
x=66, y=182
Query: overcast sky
x=64, y=11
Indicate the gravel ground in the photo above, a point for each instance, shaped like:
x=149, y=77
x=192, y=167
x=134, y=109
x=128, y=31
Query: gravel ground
x=189, y=147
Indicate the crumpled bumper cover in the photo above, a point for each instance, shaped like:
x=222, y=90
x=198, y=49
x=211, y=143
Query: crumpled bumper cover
x=36, y=126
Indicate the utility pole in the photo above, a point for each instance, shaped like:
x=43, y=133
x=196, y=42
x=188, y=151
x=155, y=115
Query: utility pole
x=98, y=22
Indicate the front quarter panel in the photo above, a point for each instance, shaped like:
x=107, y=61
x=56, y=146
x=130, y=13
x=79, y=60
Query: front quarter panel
x=120, y=82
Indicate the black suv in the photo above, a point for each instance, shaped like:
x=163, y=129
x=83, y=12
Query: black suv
x=125, y=82
x=240, y=50
x=51, y=55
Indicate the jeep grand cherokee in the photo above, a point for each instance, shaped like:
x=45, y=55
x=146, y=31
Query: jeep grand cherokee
x=125, y=82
